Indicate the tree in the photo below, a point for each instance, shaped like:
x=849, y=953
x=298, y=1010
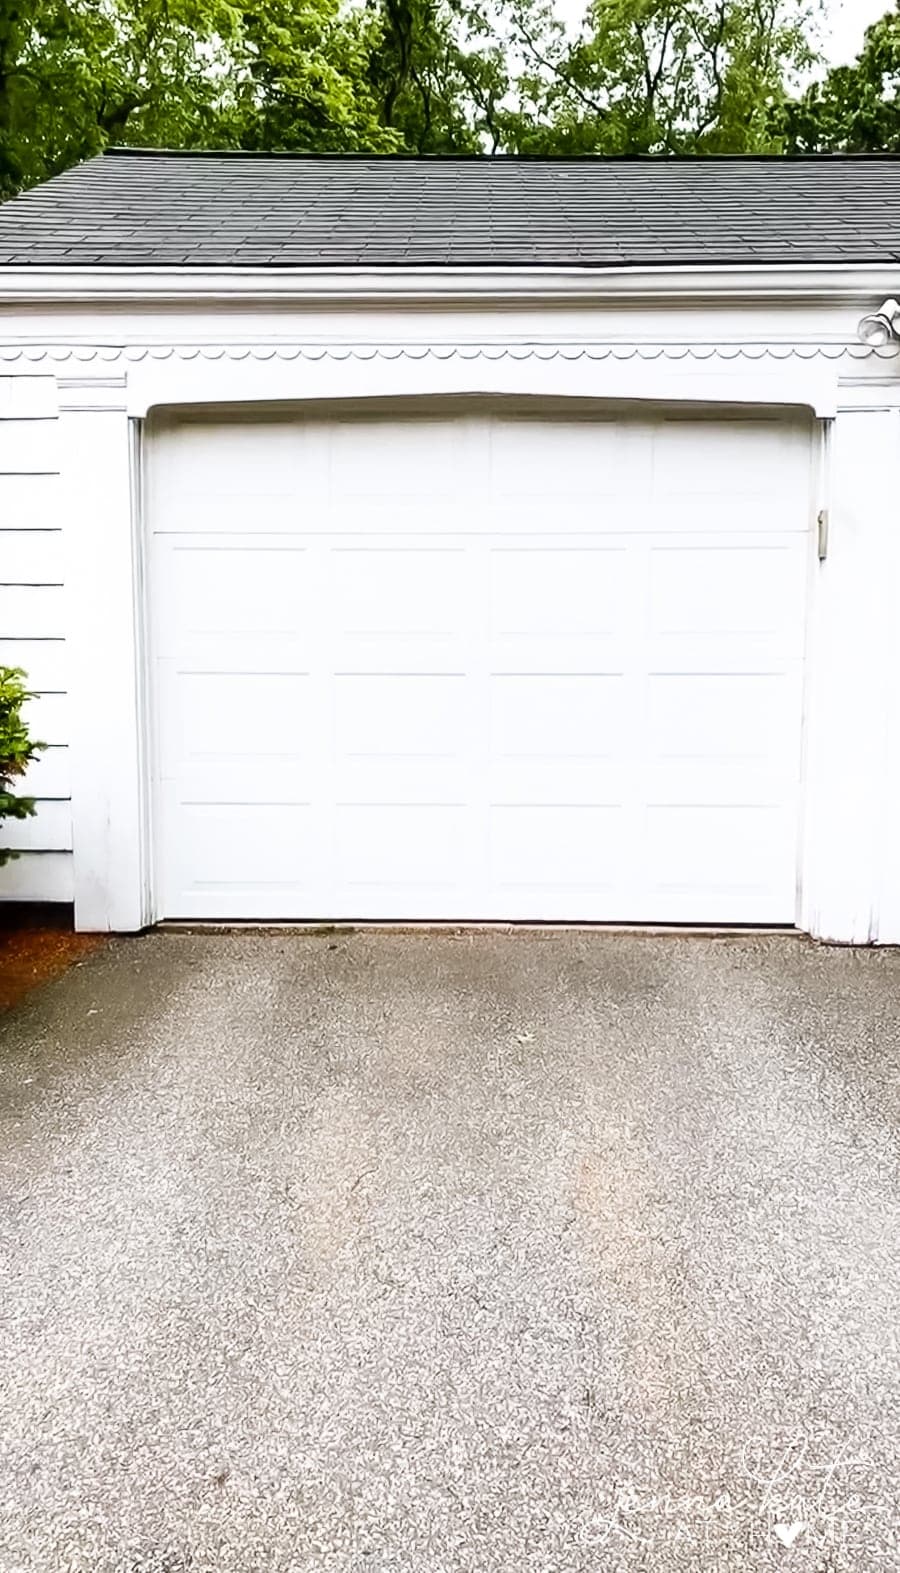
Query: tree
x=855, y=108
x=438, y=74
x=75, y=75
x=671, y=76
x=297, y=79
x=425, y=76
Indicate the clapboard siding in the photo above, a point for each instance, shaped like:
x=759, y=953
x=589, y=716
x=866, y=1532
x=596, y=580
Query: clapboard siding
x=32, y=631
x=49, y=776
x=49, y=830
x=30, y=502
x=30, y=611
x=43, y=660
x=31, y=557
x=47, y=717
x=29, y=447
x=38, y=876
x=28, y=398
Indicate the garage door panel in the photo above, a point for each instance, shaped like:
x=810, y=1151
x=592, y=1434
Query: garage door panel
x=707, y=588
x=709, y=458
x=393, y=461
x=400, y=713
x=406, y=655
x=398, y=607
x=564, y=591
x=254, y=782
x=260, y=860
x=731, y=475
x=227, y=716
x=730, y=849
x=593, y=461
x=481, y=668
x=713, y=716
x=707, y=656
x=531, y=782
x=557, y=715
x=401, y=737
x=556, y=846
x=384, y=519
x=396, y=591
x=223, y=588
x=556, y=655
x=401, y=847
x=399, y=778
x=720, y=781
x=266, y=475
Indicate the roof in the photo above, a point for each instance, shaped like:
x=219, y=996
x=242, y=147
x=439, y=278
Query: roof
x=132, y=208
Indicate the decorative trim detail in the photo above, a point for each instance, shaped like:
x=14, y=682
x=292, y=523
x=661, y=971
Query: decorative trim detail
x=111, y=353
x=68, y=383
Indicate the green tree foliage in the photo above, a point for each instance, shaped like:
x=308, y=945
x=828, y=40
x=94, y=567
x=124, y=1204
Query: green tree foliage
x=439, y=74
x=297, y=78
x=17, y=750
x=855, y=108
x=430, y=76
x=78, y=74
x=673, y=76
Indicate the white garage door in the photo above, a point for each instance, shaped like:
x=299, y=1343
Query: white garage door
x=479, y=666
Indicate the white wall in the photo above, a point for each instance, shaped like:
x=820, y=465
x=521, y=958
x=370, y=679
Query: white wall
x=33, y=628
x=119, y=363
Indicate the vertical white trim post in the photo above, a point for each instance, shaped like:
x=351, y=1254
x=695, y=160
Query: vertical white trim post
x=887, y=930
x=852, y=685
x=111, y=887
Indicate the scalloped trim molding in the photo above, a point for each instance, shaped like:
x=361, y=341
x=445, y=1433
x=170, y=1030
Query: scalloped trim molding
x=108, y=353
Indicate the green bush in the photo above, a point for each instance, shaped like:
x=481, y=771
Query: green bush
x=16, y=749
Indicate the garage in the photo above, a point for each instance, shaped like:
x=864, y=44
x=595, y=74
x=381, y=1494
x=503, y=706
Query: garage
x=478, y=661
x=452, y=540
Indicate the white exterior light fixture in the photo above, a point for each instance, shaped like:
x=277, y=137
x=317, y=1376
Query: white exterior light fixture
x=883, y=327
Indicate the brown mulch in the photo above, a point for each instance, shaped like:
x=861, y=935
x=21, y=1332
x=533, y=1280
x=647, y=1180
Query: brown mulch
x=36, y=946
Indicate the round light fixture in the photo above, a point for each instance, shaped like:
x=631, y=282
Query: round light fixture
x=882, y=327
x=875, y=331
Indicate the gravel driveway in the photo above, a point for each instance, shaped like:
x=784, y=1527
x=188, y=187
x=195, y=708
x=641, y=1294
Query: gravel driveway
x=568, y=1253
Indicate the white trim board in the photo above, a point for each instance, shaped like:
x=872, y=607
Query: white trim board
x=835, y=285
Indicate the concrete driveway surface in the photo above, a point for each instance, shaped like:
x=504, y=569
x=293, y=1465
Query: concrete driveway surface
x=378, y=1252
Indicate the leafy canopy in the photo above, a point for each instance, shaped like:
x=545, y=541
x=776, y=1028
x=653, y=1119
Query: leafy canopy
x=432, y=76
x=855, y=108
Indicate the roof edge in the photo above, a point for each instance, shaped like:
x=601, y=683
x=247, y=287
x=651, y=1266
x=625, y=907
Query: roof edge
x=500, y=159
x=831, y=284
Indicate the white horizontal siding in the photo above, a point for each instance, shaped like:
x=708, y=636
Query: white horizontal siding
x=29, y=447
x=47, y=717
x=28, y=398
x=31, y=611
x=49, y=776
x=32, y=632
x=44, y=660
x=30, y=502
x=38, y=876
x=31, y=557
x=50, y=830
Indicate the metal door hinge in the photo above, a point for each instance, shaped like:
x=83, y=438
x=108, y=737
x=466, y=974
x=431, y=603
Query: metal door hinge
x=823, y=522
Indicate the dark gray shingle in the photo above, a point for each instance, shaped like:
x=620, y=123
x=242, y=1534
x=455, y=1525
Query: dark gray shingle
x=140, y=209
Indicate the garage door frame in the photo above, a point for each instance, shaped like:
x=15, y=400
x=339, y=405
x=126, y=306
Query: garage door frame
x=323, y=409
x=844, y=774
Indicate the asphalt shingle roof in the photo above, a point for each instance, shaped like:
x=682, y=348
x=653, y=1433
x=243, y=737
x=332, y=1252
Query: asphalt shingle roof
x=131, y=208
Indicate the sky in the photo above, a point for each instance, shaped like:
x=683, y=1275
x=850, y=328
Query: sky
x=848, y=22
x=842, y=32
